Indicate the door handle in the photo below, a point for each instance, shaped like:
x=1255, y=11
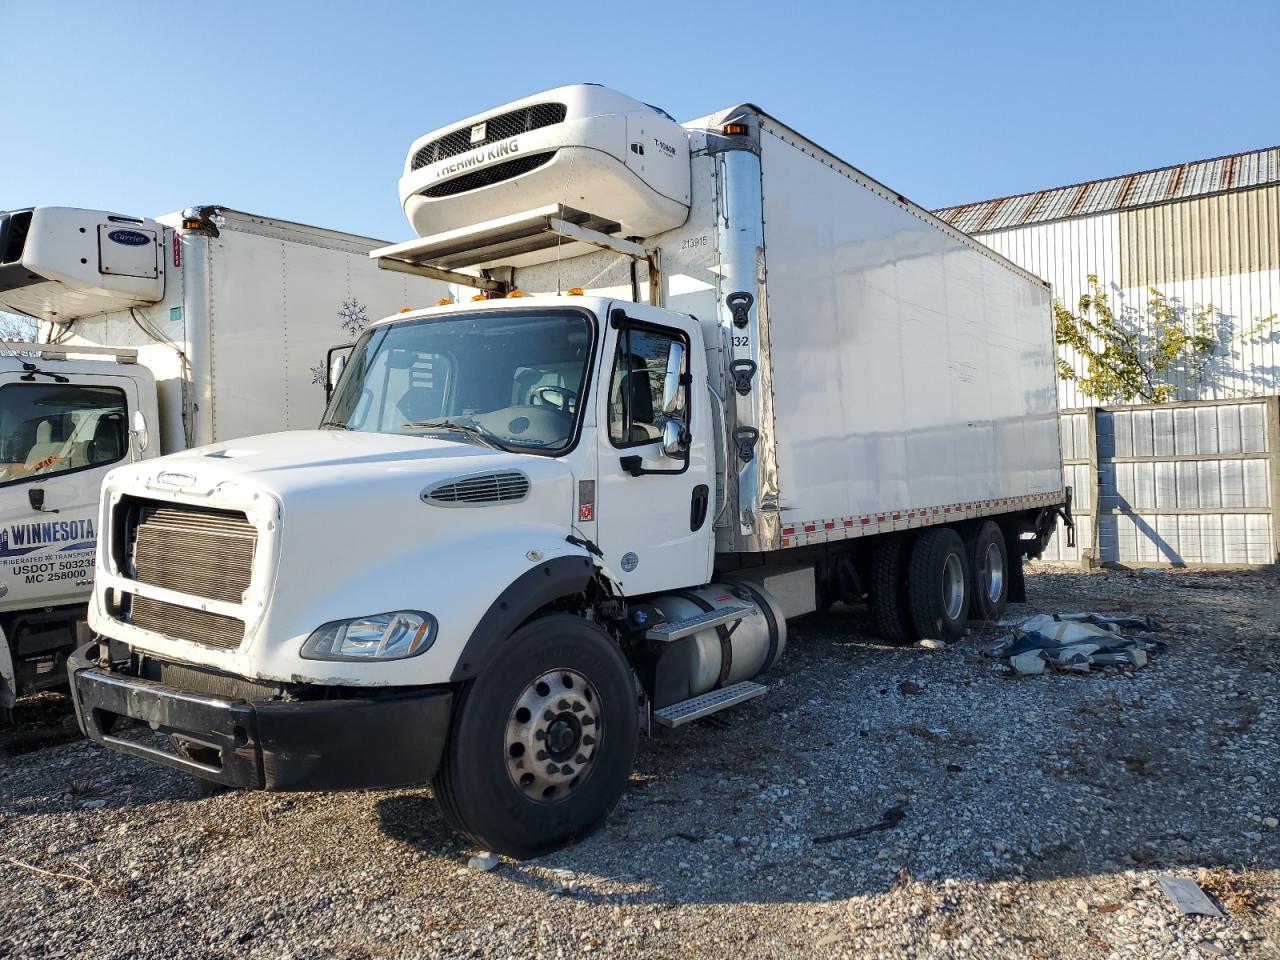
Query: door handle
x=35, y=497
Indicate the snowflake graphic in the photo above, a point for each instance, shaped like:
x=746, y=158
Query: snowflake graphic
x=354, y=316
x=317, y=374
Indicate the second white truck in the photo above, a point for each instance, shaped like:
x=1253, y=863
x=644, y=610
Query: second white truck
x=714, y=378
x=166, y=333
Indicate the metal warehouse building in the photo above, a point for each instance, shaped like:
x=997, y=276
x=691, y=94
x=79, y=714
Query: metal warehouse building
x=1192, y=482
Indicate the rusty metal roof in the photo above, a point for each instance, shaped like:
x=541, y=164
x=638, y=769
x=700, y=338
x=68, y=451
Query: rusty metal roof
x=1238, y=171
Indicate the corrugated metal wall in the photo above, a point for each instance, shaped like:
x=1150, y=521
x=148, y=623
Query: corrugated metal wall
x=1221, y=250
x=1191, y=483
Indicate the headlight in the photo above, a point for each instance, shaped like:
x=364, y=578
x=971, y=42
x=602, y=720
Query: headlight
x=383, y=636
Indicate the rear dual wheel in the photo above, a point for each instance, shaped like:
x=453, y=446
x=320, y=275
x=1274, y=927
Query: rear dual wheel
x=542, y=743
x=989, y=571
x=938, y=584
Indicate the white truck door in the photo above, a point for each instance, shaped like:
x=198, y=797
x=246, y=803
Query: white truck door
x=653, y=511
x=58, y=439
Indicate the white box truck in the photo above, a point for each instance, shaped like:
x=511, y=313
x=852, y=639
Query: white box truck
x=168, y=333
x=715, y=379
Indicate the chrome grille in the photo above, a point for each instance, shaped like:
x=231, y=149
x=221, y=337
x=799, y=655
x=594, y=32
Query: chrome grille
x=183, y=623
x=487, y=176
x=505, y=487
x=501, y=127
x=195, y=550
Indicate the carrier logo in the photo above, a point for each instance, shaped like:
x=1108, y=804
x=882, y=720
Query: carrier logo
x=499, y=150
x=129, y=238
x=22, y=538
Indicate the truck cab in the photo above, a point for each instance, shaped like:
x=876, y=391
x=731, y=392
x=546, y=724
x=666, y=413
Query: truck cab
x=67, y=416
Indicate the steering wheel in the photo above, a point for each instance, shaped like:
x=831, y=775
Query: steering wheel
x=566, y=397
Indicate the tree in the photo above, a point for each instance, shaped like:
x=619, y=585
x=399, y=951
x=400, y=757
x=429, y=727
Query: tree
x=14, y=326
x=1130, y=354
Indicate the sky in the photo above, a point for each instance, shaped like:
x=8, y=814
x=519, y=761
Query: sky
x=305, y=110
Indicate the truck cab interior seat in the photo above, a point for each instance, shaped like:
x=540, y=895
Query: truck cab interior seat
x=107, y=444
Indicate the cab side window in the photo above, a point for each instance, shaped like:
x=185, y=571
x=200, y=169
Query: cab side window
x=52, y=428
x=635, y=392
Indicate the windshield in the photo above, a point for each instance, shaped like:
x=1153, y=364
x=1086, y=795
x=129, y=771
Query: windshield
x=504, y=378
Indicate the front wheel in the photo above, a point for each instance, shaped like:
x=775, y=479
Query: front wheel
x=543, y=743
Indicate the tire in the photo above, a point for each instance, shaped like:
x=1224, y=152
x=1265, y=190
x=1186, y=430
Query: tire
x=989, y=572
x=525, y=803
x=890, y=607
x=938, y=585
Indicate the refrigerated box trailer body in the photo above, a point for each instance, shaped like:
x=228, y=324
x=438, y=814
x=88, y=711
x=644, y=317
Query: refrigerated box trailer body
x=542, y=520
x=895, y=372
x=169, y=333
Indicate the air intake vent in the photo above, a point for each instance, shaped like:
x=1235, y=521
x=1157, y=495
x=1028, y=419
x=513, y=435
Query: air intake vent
x=489, y=175
x=506, y=487
x=493, y=129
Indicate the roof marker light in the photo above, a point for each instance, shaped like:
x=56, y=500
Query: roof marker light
x=574, y=291
x=479, y=296
x=516, y=293
x=443, y=302
x=735, y=129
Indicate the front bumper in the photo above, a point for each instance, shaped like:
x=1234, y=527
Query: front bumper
x=352, y=744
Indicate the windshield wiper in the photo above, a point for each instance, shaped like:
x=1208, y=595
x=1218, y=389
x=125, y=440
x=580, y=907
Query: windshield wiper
x=466, y=429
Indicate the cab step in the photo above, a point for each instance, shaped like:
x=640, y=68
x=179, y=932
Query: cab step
x=695, y=708
x=670, y=630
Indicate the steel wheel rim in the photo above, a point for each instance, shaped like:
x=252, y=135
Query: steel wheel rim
x=952, y=586
x=993, y=572
x=552, y=735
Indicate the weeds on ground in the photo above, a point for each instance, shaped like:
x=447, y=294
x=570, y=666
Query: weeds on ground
x=1235, y=890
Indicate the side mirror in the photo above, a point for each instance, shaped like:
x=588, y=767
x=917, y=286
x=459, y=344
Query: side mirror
x=672, y=389
x=675, y=440
x=141, y=435
x=335, y=361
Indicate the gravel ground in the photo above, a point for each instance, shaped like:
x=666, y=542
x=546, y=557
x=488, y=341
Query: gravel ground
x=1021, y=817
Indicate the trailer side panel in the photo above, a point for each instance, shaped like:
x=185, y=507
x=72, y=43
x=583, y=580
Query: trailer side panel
x=917, y=371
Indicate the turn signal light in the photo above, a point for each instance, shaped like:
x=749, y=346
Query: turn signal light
x=735, y=129
x=516, y=293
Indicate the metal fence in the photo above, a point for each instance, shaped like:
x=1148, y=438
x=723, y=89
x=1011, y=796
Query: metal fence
x=1175, y=483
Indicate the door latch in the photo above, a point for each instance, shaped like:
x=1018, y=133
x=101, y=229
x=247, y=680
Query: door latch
x=739, y=302
x=743, y=371
x=745, y=438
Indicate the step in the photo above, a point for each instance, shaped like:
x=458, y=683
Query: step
x=687, y=711
x=670, y=630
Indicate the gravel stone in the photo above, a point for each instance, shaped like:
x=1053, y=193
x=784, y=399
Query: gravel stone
x=1035, y=815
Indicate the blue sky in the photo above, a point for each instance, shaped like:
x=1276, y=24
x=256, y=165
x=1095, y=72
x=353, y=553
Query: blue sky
x=305, y=110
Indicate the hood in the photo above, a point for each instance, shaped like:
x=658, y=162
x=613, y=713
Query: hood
x=302, y=462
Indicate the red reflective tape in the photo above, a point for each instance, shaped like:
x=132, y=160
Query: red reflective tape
x=848, y=523
x=866, y=521
x=788, y=531
x=830, y=524
x=810, y=527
